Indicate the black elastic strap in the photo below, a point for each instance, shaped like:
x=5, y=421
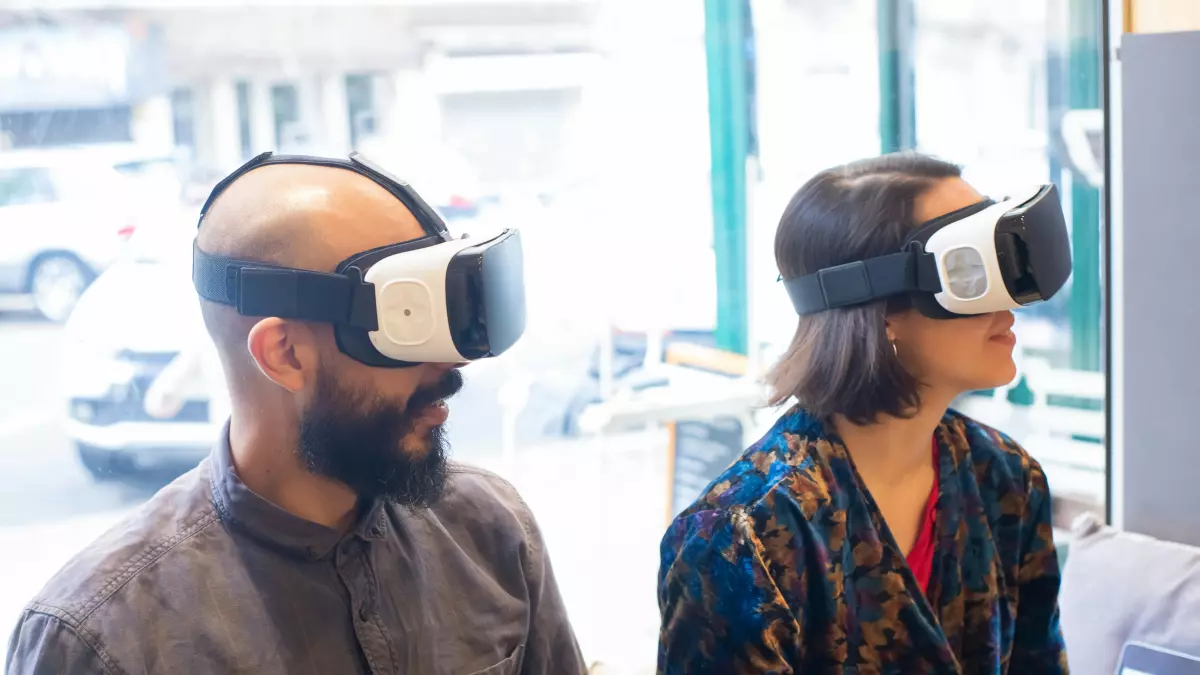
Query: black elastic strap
x=426, y=216
x=261, y=289
x=864, y=281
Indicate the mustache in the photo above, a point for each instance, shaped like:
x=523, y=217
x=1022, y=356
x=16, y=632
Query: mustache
x=448, y=385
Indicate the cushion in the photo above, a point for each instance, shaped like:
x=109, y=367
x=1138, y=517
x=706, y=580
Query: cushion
x=1120, y=586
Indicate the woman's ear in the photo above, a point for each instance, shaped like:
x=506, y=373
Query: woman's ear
x=898, y=325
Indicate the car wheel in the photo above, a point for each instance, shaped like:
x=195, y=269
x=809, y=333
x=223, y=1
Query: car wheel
x=103, y=465
x=56, y=283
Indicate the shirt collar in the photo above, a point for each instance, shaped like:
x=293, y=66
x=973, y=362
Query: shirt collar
x=240, y=507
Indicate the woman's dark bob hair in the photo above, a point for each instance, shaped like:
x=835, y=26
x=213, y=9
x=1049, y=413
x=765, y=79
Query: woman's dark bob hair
x=840, y=361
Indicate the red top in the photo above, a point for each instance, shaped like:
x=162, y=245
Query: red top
x=920, y=558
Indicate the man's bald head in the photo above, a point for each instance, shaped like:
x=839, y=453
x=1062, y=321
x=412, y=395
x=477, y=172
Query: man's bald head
x=297, y=215
x=304, y=216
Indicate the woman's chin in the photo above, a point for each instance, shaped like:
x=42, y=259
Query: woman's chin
x=1004, y=376
x=994, y=377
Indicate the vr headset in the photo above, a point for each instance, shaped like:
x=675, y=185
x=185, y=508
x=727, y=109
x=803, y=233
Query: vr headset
x=435, y=299
x=988, y=257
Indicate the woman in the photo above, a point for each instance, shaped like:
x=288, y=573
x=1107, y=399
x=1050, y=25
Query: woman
x=872, y=530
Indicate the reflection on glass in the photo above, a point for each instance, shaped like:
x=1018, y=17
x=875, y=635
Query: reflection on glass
x=1000, y=93
x=585, y=124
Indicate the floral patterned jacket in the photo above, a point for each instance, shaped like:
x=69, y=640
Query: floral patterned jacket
x=785, y=565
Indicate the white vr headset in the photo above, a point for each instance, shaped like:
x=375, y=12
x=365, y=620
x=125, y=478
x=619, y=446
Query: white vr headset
x=435, y=299
x=988, y=257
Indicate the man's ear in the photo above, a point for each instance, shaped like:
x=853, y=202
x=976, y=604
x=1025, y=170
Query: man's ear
x=285, y=351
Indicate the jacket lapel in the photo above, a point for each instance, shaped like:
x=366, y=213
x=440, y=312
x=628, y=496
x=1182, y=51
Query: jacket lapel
x=864, y=555
x=945, y=582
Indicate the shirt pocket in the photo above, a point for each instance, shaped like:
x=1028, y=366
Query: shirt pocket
x=509, y=666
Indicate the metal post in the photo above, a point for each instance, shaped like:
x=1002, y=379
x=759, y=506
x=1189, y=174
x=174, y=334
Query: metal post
x=728, y=47
x=1084, y=92
x=897, y=82
x=606, y=361
x=754, y=276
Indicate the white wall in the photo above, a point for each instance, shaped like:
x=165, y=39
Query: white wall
x=331, y=123
x=218, y=144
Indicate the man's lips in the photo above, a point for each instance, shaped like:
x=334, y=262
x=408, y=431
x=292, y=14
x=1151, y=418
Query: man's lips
x=435, y=414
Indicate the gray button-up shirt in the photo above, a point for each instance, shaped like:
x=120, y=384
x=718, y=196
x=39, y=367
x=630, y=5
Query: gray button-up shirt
x=208, y=577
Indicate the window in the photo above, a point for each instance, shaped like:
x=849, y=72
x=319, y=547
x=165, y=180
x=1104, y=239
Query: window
x=586, y=125
x=183, y=118
x=22, y=187
x=360, y=100
x=991, y=91
x=285, y=101
x=42, y=128
x=244, y=119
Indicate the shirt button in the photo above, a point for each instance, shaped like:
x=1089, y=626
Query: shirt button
x=364, y=613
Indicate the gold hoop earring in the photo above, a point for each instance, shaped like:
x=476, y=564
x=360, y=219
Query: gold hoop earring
x=895, y=352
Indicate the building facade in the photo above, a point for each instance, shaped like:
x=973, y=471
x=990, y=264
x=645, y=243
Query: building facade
x=418, y=81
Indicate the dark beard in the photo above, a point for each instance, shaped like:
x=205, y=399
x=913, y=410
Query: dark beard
x=357, y=439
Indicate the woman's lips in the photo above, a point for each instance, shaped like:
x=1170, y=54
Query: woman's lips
x=1007, y=338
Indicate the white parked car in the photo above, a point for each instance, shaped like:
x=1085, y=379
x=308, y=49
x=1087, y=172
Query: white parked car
x=132, y=323
x=66, y=216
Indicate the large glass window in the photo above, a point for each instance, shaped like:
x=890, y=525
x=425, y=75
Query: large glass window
x=285, y=101
x=183, y=123
x=360, y=100
x=587, y=125
x=245, y=141
x=1004, y=93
